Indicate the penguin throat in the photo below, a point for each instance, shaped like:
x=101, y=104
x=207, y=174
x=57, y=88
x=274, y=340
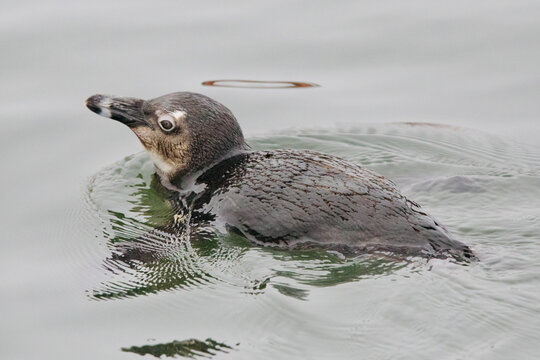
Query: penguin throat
x=166, y=168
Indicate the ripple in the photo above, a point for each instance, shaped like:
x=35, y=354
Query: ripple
x=442, y=167
x=259, y=84
x=455, y=184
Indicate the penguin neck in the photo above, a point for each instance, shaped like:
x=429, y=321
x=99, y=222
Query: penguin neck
x=181, y=177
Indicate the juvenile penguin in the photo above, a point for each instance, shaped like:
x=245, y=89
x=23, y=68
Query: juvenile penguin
x=285, y=198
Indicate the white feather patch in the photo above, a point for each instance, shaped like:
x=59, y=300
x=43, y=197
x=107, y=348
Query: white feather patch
x=163, y=165
x=178, y=114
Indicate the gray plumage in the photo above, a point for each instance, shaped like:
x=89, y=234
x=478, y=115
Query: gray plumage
x=299, y=198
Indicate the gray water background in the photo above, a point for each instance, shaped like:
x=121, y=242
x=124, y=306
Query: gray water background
x=472, y=65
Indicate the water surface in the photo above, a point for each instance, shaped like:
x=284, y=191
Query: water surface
x=75, y=187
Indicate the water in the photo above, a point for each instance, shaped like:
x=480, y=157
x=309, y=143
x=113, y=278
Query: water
x=71, y=196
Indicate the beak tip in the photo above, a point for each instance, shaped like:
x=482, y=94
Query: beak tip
x=93, y=100
x=97, y=104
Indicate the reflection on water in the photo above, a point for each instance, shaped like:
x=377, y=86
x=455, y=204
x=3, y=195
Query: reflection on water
x=259, y=84
x=147, y=262
x=191, y=348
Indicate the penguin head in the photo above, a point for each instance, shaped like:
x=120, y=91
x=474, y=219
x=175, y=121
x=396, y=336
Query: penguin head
x=183, y=132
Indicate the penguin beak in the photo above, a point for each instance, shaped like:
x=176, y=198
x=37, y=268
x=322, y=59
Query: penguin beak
x=124, y=109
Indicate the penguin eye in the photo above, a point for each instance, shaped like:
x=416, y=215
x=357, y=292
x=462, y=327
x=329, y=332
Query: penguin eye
x=166, y=124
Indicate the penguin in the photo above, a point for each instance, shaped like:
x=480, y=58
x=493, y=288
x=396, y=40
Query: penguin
x=290, y=199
